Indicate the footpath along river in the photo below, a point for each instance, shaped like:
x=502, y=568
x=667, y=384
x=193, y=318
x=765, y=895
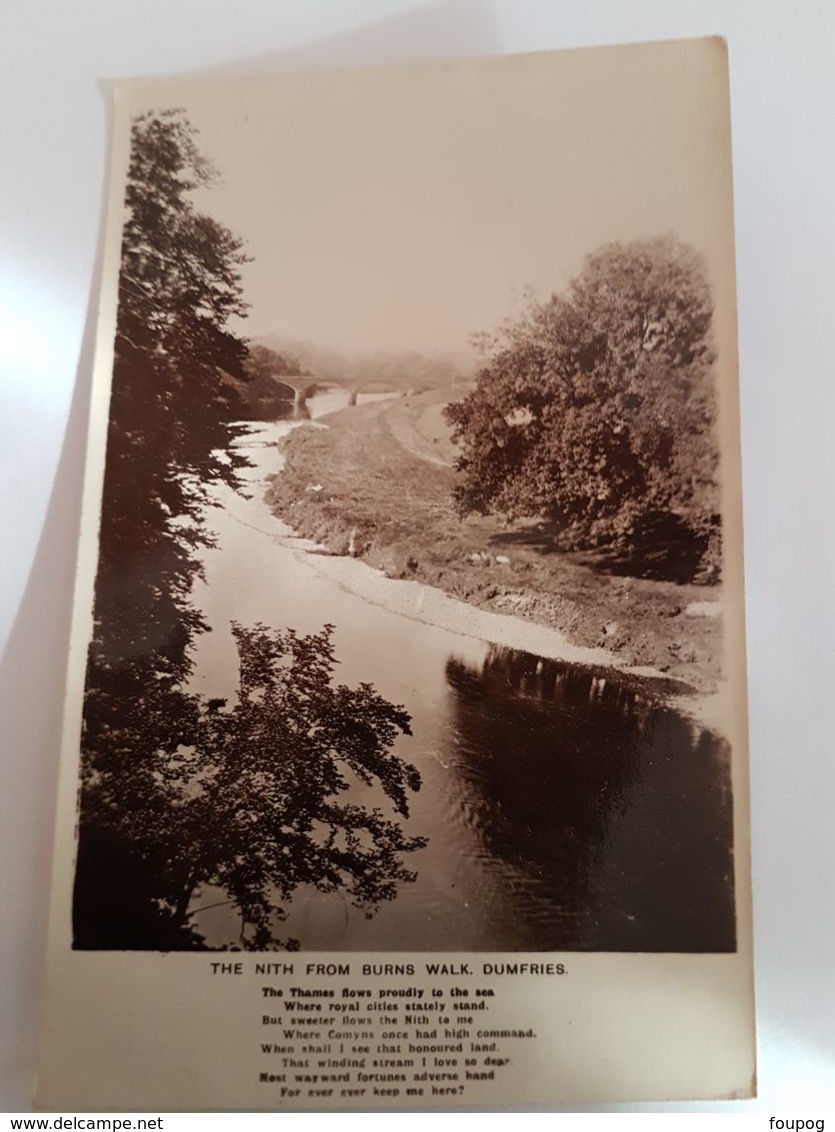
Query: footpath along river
x=565, y=806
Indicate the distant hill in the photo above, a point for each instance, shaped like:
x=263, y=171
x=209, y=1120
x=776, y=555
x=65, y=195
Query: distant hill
x=371, y=373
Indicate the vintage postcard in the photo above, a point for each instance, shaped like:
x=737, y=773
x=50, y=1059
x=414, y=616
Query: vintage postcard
x=405, y=751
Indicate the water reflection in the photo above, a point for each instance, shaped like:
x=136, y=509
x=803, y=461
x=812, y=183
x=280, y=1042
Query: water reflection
x=612, y=816
x=564, y=807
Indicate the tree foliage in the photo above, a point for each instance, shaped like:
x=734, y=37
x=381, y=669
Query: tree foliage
x=251, y=800
x=597, y=408
x=176, y=792
x=171, y=410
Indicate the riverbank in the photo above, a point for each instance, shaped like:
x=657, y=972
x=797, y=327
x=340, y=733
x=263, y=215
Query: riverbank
x=375, y=484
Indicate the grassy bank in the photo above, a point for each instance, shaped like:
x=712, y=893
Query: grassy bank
x=376, y=483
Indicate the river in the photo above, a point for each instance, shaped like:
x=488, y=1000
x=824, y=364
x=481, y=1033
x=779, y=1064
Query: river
x=565, y=806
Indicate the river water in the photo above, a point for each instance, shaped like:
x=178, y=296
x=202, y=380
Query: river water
x=566, y=808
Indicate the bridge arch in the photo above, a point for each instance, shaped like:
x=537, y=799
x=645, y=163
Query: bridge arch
x=295, y=387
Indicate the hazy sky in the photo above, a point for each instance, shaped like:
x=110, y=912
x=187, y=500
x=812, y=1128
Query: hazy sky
x=411, y=207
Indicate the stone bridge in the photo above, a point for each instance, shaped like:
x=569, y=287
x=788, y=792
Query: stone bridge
x=299, y=386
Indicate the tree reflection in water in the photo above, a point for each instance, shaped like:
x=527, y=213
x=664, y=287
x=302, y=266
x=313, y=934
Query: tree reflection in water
x=605, y=805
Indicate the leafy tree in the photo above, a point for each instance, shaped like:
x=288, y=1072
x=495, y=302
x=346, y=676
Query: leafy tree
x=167, y=801
x=171, y=408
x=264, y=362
x=251, y=804
x=597, y=410
x=168, y=442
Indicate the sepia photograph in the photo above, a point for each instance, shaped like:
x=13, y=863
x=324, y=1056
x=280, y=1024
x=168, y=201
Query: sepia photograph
x=409, y=627
x=384, y=383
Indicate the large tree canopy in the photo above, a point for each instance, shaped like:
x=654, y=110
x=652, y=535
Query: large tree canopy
x=597, y=408
x=179, y=793
x=171, y=408
x=252, y=803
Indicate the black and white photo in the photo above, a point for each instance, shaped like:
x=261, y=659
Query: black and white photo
x=412, y=620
